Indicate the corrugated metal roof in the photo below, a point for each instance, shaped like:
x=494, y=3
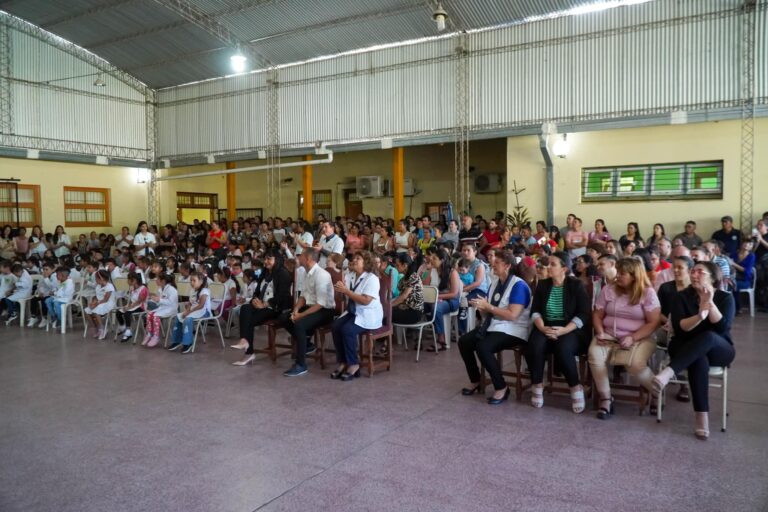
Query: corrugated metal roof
x=162, y=48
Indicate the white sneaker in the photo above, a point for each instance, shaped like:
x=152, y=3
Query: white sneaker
x=43, y=323
x=55, y=324
x=32, y=321
x=120, y=329
x=102, y=334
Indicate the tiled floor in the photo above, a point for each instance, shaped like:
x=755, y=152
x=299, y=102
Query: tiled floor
x=99, y=426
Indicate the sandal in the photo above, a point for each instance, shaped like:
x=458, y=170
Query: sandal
x=440, y=347
x=577, y=401
x=603, y=413
x=537, y=397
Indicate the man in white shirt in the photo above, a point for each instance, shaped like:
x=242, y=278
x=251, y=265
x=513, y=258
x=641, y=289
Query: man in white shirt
x=302, y=237
x=328, y=244
x=315, y=307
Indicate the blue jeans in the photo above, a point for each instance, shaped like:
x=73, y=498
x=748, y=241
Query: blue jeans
x=55, y=308
x=11, y=306
x=182, y=331
x=443, y=308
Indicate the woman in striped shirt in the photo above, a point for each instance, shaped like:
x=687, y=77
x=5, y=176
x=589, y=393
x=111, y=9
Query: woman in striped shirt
x=561, y=315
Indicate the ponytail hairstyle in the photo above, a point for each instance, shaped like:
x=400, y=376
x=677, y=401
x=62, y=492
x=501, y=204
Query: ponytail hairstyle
x=228, y=275
x=404, y=259
x=103, y=274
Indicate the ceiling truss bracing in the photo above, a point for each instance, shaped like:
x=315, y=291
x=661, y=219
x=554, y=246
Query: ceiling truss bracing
x=747, y=114
x=211, y=25
x=74, y=147
x=82, y=14
x=6, y=57
x=461, y=122
x=274, y=177
x=72, y=49
x=153, y=200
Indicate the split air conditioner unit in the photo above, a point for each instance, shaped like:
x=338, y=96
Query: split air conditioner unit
x=407, y=188
x=487, y=183
x=370, y=186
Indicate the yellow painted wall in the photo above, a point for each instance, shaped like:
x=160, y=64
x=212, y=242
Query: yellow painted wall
x=208, y=185
x=679, y=143
x=431, y=168
x=129, y=199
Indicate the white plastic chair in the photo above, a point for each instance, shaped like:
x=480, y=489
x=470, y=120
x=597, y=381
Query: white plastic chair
x=66, y=309
x=430, y=297
x=217, y=294
x=36, y=278
x=748, y=291
x=718, y=373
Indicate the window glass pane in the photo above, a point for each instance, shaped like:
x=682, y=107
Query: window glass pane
x=599, y=182
x=5, y=194
x=75, y=215
x=7, y=215
x=96, y=216
x=94, y=197
x=667, y=180
x=632, y=181
x=705, y=179
x=25, y=195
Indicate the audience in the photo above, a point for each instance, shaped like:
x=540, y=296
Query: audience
x=280, y=270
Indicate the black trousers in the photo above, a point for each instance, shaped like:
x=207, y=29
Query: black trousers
x=697, y=355
x=37, y=307
x=486, y=349
x=124, y=317
x=565, y=349
x=405, y=316
x=304, y=328
x=250, y=317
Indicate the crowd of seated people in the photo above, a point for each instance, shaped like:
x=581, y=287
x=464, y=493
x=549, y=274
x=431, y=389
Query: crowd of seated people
x=554, y=290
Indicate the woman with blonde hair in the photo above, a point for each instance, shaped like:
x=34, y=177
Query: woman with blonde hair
x=626, y=314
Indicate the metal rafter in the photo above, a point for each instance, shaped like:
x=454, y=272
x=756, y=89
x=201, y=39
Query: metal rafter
x=214, y=27
x=6, y=58
x=72, y=49
x=747, y=113
x=82, y=14
x=242, y=6
x=71, y=146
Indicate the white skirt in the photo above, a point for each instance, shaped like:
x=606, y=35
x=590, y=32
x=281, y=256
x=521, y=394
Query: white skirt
x=101, y=309
x=165, y=311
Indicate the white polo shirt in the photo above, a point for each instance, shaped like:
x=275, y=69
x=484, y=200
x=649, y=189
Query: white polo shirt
x=367, y=316
x=334, y=244
x=317, y=288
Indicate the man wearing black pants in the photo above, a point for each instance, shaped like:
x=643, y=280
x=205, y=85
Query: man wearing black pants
x=314, y=308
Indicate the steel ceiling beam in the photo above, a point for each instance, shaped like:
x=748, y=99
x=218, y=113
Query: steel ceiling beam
x=242, y=6
x=214, y=27
x=88, y=12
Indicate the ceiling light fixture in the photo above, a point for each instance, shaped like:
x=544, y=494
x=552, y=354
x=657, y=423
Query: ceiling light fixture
x=99, y=82
x=238, y=62
x=440, y=16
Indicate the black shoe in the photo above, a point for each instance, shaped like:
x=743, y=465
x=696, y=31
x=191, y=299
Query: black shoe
x=497, y=401
x=603, y=413
x=337, y=374
x=349, y=376
x=187, y=349
x=311, y=349
x=174, y=347
x=470, y=391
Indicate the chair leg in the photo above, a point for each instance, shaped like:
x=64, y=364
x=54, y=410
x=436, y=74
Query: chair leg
x=518, y=376
x=369, y=344
x=390, y=349
x=725, y=399
x=418, y=343
x=221, y=334
x=272, y=344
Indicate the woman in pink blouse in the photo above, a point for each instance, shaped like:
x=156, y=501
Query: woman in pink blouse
x=625, y=317
x=600, y=235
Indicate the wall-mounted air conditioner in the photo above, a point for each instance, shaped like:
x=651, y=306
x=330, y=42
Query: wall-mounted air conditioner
x=487, y=183
x=370, y=186
x=407, y=187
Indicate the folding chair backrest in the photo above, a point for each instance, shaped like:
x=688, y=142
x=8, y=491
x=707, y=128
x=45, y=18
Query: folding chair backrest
x=184, y=289
x=121, y=284
x=217, y=293
x=430, y=297
x=338, y=297
x=152, y=286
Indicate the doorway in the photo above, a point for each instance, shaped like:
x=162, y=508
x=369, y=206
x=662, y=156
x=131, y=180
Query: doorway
x=353, y=206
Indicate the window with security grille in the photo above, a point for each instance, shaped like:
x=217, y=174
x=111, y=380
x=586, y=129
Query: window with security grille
x=86, y=207
x=26, y=210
